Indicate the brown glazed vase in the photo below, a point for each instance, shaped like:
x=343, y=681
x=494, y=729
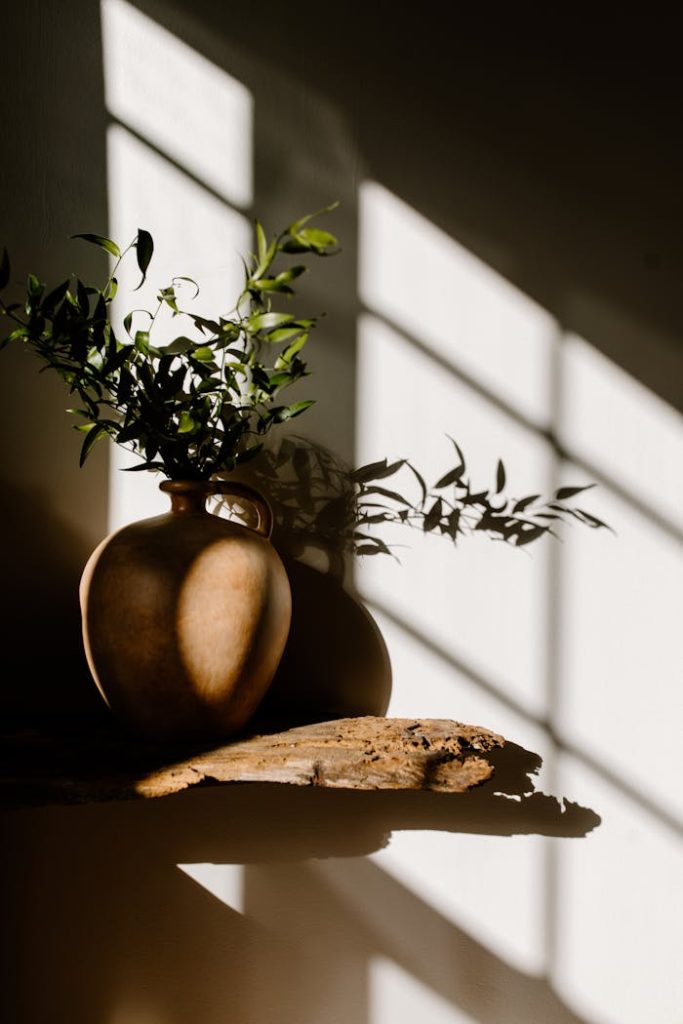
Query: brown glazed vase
x=186, y=615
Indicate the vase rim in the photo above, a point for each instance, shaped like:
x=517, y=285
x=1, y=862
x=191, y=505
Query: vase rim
x=183, y=486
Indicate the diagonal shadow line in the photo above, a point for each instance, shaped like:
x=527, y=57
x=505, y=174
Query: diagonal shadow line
x=550, y=437
x=440, y=954
x=114, y=120
x=639, y=798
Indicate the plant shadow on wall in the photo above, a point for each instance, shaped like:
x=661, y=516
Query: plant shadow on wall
x=326, y=513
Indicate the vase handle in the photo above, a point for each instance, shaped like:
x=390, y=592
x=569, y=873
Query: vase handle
x=264, y=513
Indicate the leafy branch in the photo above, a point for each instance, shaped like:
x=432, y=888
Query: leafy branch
x=189, y=408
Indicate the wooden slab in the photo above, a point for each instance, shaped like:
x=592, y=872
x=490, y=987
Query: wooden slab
x=351, y=753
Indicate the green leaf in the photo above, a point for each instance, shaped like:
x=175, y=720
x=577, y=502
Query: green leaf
x=287, y=356
x=53, y=298
x=187, y=423
x=203, y=354
x=82, y=298
x=167, y=295
x=4, y=269
x=111, y=290
x=248, y=454
x=142, y=342
x=128, y=319
x=143, y=465
x=188, y=280
x=102, y=242
x=144, y=248
x=316, y=239
x=270, y=284
x=288, y=412
x=178, y=347
x=205, y=325
x=261, y=243
x=267, y=321
x=211, y=384
x=294, y=246
x=296, y=226
x=278, y=380
x=290, y=275
x=265, y=252
x=500, y=476
x=95, y=432
x=116, y=360
x=569, y=492
x=129, y=432
x=18, y=332
x=35, y=288
x=285, y=334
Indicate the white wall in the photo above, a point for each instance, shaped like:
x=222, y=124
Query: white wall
x=570, y=647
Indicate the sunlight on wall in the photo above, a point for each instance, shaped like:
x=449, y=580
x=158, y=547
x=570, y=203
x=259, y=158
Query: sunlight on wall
x=496, y=899
x=178, y=101
x=427, y=284
x=396, y=996
x=488, y=603
x=626, y=431
x=224, y=881
x=583, y=635
x=619, y=676
x=620, y=927
x=196, y=234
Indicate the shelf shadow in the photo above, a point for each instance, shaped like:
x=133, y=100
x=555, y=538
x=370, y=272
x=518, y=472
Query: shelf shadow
x=94, y=891
x=255, y=822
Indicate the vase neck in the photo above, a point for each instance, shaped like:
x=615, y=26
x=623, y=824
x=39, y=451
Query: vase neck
x=188, y=497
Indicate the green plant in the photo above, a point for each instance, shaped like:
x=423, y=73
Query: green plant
x=192, y=407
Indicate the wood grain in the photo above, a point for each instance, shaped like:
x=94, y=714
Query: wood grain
x=351, y=753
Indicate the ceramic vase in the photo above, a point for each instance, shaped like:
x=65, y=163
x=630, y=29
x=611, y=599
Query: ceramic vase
x=186, y=615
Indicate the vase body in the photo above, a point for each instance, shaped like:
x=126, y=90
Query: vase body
x=185, y=618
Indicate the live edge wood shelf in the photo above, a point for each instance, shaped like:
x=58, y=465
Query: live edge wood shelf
x=95, y=763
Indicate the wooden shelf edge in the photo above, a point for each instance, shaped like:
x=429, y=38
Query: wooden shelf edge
x=351, y=753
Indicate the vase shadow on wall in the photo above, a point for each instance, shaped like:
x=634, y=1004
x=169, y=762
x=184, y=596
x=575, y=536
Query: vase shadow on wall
x=335, y=664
